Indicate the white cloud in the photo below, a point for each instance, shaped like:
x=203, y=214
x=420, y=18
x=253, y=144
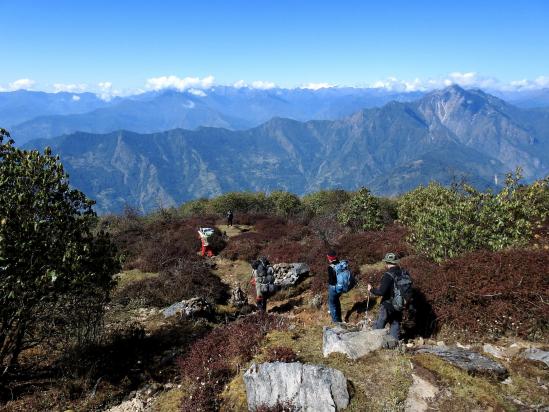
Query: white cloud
x=396, y=85
x=316, y=86
x=107, y=91
x=197, y=92
x=21, y=84
x=257, y=84
x=240, y=84
x=463, y=79
x=181, y=84
x=75, y=98
x=71, y=88
x=263, y=85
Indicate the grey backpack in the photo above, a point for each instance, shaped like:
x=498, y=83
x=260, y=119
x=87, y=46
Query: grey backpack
x=265, y=278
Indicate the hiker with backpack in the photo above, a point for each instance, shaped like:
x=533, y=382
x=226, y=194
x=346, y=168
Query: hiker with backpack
x=340, y=280
x=263, y=279
x=396, y=291
x=230, y=217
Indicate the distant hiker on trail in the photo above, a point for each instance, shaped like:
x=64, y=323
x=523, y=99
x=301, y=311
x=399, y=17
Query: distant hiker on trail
x=340, y=280
x=396, y=292
x=205, y=234
x=230, y=218
x=263, y=279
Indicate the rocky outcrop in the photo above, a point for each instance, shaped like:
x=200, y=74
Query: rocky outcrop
x=194, y=307
x=309, y=388
x=288, y=274
x=355, y=343
x=136, y=404
x=238, y=296
x=537, y=355
x=470, y=361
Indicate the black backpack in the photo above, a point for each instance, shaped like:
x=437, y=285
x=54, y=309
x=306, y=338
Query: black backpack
x=402, y=289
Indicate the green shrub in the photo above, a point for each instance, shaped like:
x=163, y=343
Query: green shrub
x=285, y=203
x=388, y=208
x=196, y=207
x=241, y=202
x=325, y=202
x=445, y=222
x=361, y=211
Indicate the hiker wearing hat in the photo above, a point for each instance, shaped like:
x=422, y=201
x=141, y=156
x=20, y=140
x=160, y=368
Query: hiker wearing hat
x=395, y=289
x=340, y=280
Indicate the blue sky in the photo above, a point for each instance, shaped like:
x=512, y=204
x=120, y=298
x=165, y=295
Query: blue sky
x=123, y=44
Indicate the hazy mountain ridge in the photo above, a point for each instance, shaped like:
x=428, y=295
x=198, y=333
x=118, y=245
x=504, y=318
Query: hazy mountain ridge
x=391, y=149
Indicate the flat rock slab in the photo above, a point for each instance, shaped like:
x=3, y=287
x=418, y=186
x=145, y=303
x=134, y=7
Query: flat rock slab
x=537, y=355
x=309, y=388
x=189, y=308
x=472, y=362
x=355, y=343
x=133, y=405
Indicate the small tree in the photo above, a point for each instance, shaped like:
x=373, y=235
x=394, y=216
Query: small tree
x=285, y=203
x=361, y=211
x=325, y=202
x=55, y=272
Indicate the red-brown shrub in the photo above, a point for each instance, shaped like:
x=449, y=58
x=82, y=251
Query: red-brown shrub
x=186, y=279
x=156, y=245
x=488, y=293
x=250, y=245
x=212, y=360
x=370, y=247
x=245, y=246
x=281, y=354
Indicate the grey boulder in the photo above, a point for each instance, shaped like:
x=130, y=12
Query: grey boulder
x=194, y=307
x=238, y=296
x=308, y=388
x=537, y=355
x=472, y=362
x=288, y=274
x=355, y=343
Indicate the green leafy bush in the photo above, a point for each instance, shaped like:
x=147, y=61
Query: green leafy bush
x=361, y=211
x=50, y=255
x=445, y=222
x=196, y=207
x=285, y=203
x=325, y=202
x=241, y=202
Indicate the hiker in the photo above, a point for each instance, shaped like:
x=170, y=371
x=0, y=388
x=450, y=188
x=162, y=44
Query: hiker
x=263, y=279
x=230, y=218
x=205, y=234
x=340, y=280
x=395, y=289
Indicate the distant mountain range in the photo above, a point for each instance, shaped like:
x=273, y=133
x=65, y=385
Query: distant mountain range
x=227, y=107
x=444, y=135
x=36, y=115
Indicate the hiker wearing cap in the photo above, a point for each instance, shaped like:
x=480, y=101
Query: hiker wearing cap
x=395, y=289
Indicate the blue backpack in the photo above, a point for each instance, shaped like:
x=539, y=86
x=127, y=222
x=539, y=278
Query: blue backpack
x=345, y=279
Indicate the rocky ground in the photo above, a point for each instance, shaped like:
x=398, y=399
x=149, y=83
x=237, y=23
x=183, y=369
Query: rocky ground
x=419, y=375
x=347, y=367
